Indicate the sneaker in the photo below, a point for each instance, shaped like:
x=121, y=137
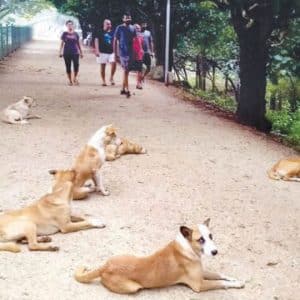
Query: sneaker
x=123, y=92
x=128, y=94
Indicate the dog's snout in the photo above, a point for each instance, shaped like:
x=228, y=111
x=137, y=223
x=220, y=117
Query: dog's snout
x=214, y=252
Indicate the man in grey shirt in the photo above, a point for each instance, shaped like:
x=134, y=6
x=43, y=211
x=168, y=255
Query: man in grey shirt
x=148, y=47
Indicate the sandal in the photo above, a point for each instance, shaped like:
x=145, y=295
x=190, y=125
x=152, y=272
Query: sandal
x=76, y=82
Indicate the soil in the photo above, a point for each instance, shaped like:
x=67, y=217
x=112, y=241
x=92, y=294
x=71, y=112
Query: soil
x=198, y=165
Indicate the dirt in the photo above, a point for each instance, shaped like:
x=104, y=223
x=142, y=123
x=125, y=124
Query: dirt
x=198, y=165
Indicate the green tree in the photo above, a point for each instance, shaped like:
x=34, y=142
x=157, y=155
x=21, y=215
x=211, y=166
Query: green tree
x=254, y=23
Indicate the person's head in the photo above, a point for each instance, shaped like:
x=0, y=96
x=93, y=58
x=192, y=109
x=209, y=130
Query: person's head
x=127, y=19
x=144, y=26
x=137, y=27
x=107, y=25
x=70, y=25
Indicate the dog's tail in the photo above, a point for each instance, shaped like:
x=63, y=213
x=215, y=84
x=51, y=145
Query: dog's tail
x=272, y=173
x=84, y=276
x=9, y=246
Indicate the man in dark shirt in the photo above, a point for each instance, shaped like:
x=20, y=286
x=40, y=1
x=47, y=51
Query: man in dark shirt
x=104, y=50
x=123, y=48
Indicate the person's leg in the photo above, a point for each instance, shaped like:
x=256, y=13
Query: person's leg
x=113, y=68
x=125, y=66
x=76, y=68
x=139, y=68
x=147, y=62
x=67, y=59
x=113, y=71
x=103, y=67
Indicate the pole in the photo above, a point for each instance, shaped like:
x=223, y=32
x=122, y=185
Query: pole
x=167, y=54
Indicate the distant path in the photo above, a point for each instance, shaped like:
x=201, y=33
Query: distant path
x=198, y=165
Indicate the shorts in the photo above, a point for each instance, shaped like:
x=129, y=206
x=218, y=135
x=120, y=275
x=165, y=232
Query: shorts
x=147, y=60
x=125, y=62
x=137, y=65
x=106, y=58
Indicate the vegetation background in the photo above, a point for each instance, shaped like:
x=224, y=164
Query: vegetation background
x=241, y=55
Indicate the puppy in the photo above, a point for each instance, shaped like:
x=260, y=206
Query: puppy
x=61, y=176
x=19, y=112
x=88, y=164
x=286, y=169
x=178, y=262
x=48, y=215
x=122, y=146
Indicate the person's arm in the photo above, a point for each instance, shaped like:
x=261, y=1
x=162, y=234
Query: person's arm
x=62, y=43
x=151, y=45
x=115, y=43
x=79, y=46
x=97, y=52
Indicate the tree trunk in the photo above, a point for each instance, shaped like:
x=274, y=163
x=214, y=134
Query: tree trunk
x=273, y=102
x=253, y=60
x=226, y=85
x=252, y=105
x=213, y=78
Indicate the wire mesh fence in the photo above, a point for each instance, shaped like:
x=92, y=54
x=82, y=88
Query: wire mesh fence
x=12, y=37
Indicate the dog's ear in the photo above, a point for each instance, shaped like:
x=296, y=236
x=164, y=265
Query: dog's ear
x=52, y=172
x=186, y=232
x=26, y=100
x=207, y=222
x=110, y=129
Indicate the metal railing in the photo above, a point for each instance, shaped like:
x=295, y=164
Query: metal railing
x=12, y=37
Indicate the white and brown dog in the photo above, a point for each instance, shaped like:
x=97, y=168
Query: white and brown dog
x=287, y=169
x=177, y=263
x=88, y=164
x=48, y=215
x=19, y=112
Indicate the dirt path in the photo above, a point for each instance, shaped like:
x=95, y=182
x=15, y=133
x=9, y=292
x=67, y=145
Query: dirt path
x=198, y=165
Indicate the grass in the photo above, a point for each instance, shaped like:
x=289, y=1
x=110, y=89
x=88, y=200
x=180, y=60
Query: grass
x=284, y=123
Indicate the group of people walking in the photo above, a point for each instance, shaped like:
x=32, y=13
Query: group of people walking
x=130, y=45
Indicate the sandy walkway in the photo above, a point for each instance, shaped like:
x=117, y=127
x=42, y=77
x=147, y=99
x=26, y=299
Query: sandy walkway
x=198, y=165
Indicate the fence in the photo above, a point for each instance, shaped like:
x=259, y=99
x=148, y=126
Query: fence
x=12, y=37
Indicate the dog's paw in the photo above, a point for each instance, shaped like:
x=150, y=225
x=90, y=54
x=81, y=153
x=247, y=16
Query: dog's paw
x=96, y=222
x=105, y=193
x=24, y=122
x=53, y=248
x=237, y=284
x=44, y=239
x=227, y=278
x=144, y=151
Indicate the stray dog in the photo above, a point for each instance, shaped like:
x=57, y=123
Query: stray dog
x=61, y=176
x=122, y=146
x=177, y=263
x=286, y=169
x=49, y=215
x=88, y=164
x=19, y=112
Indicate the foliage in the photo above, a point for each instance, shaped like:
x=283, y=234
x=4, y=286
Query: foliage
x=286, y=124
x=218, y=99
x=24, y=8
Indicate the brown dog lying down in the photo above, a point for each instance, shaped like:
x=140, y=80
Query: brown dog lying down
x=286, y=169
x=122, y=146
x=178, y=262
x=88, y=164
x=49, y=215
